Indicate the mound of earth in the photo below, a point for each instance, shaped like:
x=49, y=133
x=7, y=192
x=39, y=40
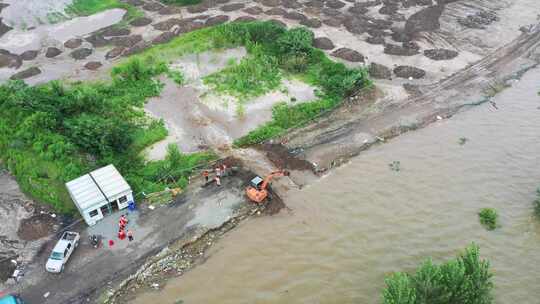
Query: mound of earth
x=194, y=9
x=73, y=43
x=29, y=55
x=295, y=16
x=81, y=53
x=323, y=43
x=232, y=7
x=254, y=10
x=424, y=20
x=9, y=60
x=216, y=20
x=170, y=10
x=244, y=19
x=398, y=50
x=334, y=4
x=163, y=38
x=375, y=40
x=4, y=28
x=30, y=72
x=348, y=54
x=152, y=7
x=271, y=3
x=291, y=4
x=379, y=71
x=117, y=51
x=405, y=71
x=479, y=20
x=115, y=31
x=126, y=41
x=141, y=21
x=36, y=227
x=311, y=22
x=276, y=11
x=97, y=40
x=93, y=65
x=440, y=54
x=52, y=52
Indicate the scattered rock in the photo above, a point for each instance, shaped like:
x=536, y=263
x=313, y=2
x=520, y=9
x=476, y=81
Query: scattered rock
x=375, y=40
x=379, y=71
x=334, y=4
x=194, y=9
x=152, y=7
x=167, y=24
x=4, y=28
x=478, y=20
x=323, y=43
x=93, y=65
x=333, y=22
x=30, y=72
x=73, y=43
x=404, y=71
x=311, y=22
x=399, y=50
x=115, y=31
x=126, y=41
x=356, y=25
x=254, y=10
x=52, y=52
x=141, y=21
x=440, y=54
x=9, y=60
x=163, y=38
x=216, y=20
x=276, y=11
x=271, y=3
x=430, y=2
x=412, y=89
x=81, y=53
x=117, y=51
x=232, y=7
x=245, y=19
x=424, y=20
x=370, y=3
x=29, y=55
x=97, y=40
x=400, y=35
x=295, y=16
x=348, y=54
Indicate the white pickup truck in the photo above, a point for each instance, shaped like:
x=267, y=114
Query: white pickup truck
x=62, y=251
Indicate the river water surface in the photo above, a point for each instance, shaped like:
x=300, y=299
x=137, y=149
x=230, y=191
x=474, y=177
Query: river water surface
x=345, y=232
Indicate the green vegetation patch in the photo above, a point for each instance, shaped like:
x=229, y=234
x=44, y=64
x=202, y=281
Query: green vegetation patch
x=91, y=7
x=536, y=203
x=488, y=218
x=52, y=133
x=466, y=279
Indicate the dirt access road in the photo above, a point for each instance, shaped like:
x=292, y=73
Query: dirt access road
x=91, y=271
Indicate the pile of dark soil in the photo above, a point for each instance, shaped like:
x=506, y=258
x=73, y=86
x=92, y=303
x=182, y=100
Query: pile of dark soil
x=36, y=227
x=282, y=158
x=479, y=20
x=440, y=54
x=404, y=71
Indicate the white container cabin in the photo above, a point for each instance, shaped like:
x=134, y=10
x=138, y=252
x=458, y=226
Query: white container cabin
x=100, y=193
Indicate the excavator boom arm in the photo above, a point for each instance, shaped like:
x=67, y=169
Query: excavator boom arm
x=268, y=178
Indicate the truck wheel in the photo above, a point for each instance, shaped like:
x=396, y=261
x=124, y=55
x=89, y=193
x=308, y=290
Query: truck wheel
x=62, y=268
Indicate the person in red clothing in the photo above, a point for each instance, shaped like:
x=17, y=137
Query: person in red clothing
x=122, y=234
x=205, y=174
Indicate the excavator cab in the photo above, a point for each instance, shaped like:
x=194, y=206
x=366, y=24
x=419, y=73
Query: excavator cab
x=256, y=191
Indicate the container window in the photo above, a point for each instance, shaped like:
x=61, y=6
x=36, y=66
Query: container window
x=123, y=199
x=93, y=213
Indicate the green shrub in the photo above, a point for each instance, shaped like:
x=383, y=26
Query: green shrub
x=90, y=7
x=176, y=76
x=297, y=42
x=181, y=2
x=488, y=218
x=536, y=203
x=466, y=279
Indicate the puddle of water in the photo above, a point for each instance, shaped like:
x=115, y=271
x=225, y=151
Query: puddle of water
x=363, y=221
x=18, y=41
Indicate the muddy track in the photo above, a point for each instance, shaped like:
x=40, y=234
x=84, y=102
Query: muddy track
x=344, y=133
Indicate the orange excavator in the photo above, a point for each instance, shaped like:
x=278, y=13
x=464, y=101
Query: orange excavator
x=256, y=191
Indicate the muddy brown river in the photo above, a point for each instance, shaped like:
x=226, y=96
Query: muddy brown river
x=346, y=231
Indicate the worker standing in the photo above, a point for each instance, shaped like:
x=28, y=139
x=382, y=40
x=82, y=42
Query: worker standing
x=130, y=235
x=205, y=174
x=218, y=171
x=122, y=234
x=218, y=181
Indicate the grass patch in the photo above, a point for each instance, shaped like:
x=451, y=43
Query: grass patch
x=253, y=76
x=52, y=133
x=176, y=76
x=536, y=203
x=91, y=7
x=488, y=218
x=466, y=279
